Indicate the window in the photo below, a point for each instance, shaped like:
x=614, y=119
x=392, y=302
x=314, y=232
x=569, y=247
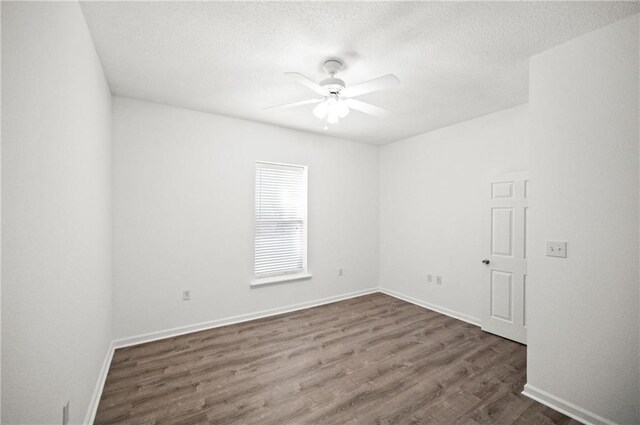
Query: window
x=280, y=223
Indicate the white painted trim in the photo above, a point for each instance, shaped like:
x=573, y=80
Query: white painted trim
x=97, y=392
x=562, y=406
x=280, y=278
x=181, y=330
x=284, y=164
x=436, y=308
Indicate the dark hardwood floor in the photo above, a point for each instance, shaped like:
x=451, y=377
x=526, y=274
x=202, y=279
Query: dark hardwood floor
x=368, y=360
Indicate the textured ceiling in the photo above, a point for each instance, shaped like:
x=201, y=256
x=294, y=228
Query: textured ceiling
x=456, y=60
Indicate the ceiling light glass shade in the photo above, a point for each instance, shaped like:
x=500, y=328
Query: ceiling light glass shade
x=321, y=109
x=332, y=116
x=342, y=108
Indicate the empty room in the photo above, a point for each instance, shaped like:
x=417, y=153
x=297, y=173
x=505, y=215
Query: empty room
x=320, y=212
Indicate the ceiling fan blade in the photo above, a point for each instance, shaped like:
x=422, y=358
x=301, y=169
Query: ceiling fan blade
x=290, y=105
x=380, y=83
x=367, y=108
x=309, y=83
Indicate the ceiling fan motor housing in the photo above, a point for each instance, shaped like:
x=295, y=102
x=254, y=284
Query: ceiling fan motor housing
x=334, y=85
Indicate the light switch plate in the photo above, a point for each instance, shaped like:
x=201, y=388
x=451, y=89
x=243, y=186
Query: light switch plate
x=556, y=249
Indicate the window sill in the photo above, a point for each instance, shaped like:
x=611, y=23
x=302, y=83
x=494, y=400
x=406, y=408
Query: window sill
x=279, y=279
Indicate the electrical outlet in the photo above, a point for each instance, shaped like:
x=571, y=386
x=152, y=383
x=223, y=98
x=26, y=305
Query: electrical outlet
x=429, y=278
x=186, y=295
x=65, y=414
x=339, y=272
x=438, y=280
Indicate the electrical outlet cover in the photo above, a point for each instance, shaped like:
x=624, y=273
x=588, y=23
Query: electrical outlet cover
x=557, y=249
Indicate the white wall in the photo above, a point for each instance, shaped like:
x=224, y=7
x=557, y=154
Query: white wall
x=183, y=215
x=56, y=229
x=583, y=333
x=433, y=202
x=0, y=219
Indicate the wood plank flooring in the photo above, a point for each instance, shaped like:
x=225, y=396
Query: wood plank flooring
x=368, y=360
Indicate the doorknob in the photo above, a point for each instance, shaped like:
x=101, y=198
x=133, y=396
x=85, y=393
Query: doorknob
x=485, y=261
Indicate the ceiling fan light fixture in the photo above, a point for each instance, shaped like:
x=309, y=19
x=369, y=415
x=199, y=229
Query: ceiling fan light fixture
x=333, y=108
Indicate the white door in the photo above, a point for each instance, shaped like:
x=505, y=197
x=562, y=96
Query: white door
x=505, y=264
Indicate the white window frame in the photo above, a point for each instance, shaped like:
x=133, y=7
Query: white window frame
x=286, y=277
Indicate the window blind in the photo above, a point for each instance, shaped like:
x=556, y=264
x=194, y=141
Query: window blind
x=281, y=207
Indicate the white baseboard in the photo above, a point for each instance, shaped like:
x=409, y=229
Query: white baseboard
x=562, y=406
x=181, y=330
x=97, y=392
x=436, y=308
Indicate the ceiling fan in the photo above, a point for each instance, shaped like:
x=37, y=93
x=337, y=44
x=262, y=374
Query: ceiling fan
x=337, y=99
